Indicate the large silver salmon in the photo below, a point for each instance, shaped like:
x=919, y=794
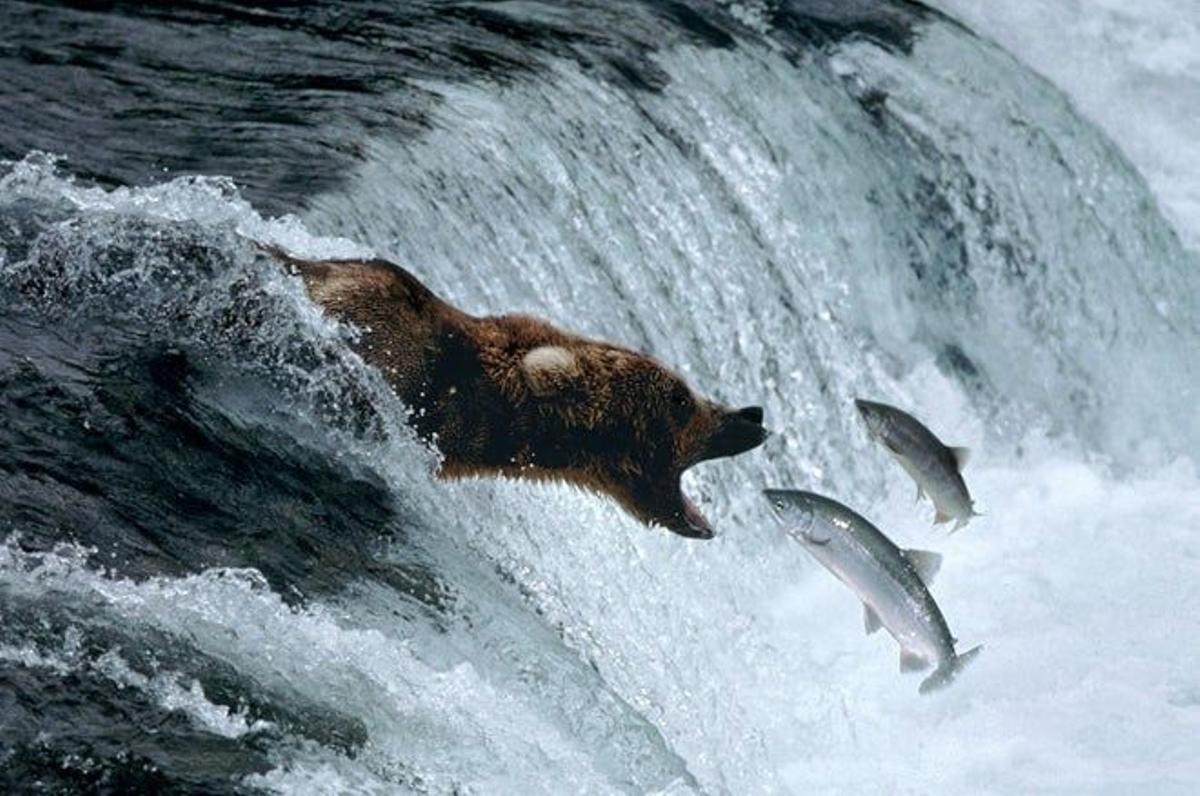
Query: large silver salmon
x=890, y=582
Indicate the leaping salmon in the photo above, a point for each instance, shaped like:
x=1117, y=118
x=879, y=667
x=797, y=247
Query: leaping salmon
x=936, y=468
x=891, y=582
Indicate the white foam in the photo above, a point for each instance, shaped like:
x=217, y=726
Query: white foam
x=440, y=725
x=1072, y=581
x=211, y=201
x=1134, y=68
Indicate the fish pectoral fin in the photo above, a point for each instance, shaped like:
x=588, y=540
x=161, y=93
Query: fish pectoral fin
x=870, y=619
x=961, y=457
x=961, y=522
x=941, y=518
x=925, y=562
x=920, y=494
x=912, y=662
x=808, y=537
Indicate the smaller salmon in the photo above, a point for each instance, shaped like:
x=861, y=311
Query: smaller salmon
x=935, y=467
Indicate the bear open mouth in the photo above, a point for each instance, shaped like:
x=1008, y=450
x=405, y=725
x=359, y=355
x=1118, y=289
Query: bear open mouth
x=739, y=432
x=694, y=525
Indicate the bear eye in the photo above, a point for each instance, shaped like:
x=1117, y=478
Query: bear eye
x=681, y=403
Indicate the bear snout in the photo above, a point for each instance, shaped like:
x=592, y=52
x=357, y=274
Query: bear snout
x=738, y=432
x=752, y=413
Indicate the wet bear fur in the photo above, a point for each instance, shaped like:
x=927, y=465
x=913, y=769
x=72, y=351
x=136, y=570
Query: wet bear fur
x=512, y=395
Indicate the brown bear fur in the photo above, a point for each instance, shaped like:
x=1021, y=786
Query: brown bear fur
x=512, y=395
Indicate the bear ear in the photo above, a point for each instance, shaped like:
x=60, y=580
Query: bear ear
x=548, y=369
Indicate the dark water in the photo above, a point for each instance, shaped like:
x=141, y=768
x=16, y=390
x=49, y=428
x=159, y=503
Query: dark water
x=281, y=96
x=109, y=443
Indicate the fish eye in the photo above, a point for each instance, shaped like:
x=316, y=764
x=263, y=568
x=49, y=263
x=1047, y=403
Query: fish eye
x=779, y=505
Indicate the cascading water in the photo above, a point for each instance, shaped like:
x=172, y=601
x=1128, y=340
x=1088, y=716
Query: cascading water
x=227, y=565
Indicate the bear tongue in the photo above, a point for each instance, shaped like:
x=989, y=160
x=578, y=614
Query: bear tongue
x=693, y=517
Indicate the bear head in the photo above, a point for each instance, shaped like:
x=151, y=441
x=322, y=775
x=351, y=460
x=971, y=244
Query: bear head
x=634, y=426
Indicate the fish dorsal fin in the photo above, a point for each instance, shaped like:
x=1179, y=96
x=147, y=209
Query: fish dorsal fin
x=870, y=619
x=961, y=457
x=925, y=563
x=912, y=662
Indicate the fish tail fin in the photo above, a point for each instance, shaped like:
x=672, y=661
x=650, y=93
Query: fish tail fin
x=944, y=675
x=960, y=520
x=965, y=518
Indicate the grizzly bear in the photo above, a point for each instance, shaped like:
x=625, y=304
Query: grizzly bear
x=512, y=395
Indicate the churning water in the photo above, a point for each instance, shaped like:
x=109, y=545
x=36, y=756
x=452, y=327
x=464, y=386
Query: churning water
x=226, y=566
